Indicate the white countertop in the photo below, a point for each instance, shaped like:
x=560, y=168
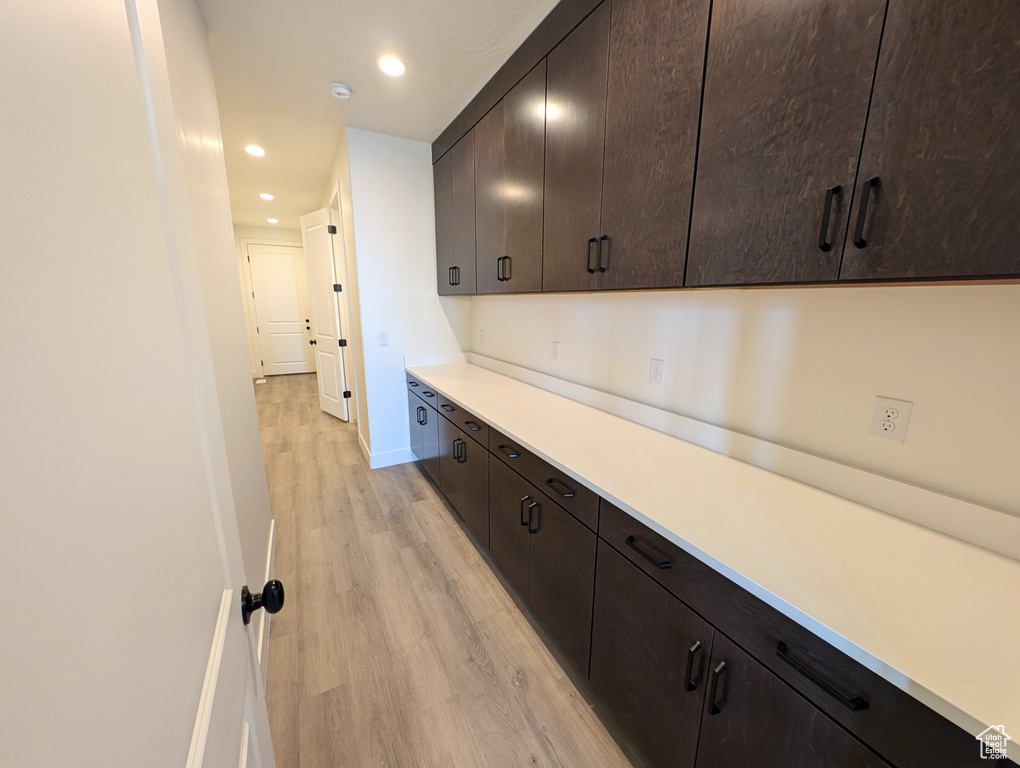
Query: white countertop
x=937, y=617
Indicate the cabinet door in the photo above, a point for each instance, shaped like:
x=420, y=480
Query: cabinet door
x=430, y=444
x=463, y=170
x=415, y=418
x=474, y=491
x=451, y=472
x=509, y=541
x=442, y=180
x=656, y=67
x=786, y=97
x=943, y=140
x=649, y=661
x=562, y=577
x=509, y=167
x=754, y=720
x=575, y=140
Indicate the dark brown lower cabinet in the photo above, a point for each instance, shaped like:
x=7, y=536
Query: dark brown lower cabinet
x=509, y=540
x=415, y=416
x=649, y=661
x=424, y=423
x=562, y=577
x=464, y=474
x=753, y=719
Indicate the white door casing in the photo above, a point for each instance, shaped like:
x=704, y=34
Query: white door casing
x=322, y=276
x=282, y=310
x=122, y=639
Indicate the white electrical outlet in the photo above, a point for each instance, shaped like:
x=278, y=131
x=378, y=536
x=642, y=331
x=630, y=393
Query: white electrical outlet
x=657, y=372
x=555, y=350
x=890, y=417
x=384, y=338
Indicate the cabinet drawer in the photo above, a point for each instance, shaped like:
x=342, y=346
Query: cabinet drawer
x=423, y=390
x=894, y=724
x=467, y=421
x=580, y=501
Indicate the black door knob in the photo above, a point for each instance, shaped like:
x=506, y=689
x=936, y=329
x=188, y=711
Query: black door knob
x=270, y=598
x=312, y=341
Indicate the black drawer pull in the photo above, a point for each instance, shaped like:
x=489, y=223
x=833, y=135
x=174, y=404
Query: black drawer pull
x=524, y=518
x=603, y=262
x=534, y=520
x=714, y=705
x=412, y=383
x=823, y=234
x=421, y=415
x=690, y=683
x=509, y=451
x=862, y=214
x=472, y=425
x=459, y=451
x=855, y=704
x=447, y=407
x=427, y=393
x=561, y=488
x=593, y=241
x=660, y=563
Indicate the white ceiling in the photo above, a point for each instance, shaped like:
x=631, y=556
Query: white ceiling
x=274, y=61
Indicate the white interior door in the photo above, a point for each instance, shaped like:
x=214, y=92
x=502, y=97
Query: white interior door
x=322, y=279
x=282, y=310
x=121, y=635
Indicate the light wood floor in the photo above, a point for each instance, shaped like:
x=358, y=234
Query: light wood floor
x=397, y=645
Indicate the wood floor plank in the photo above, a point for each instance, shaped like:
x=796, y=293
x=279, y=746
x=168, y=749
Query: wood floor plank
x=397, y=646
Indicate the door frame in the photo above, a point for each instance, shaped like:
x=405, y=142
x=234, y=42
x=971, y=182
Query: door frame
x=244, y=278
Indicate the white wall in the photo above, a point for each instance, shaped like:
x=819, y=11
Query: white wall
x=189, y=69
x=393, y=222
x=801, y=367
x=242, y=237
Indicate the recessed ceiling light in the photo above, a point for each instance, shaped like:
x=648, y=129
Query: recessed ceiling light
x=392, y=66
x=273, y=221
x=265, y=196
x=254, y=149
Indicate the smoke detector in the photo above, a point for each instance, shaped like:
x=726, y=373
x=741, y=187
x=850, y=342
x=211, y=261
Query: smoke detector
x=340, y=91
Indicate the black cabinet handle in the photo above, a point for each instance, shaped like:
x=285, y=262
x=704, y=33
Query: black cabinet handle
x=854, y=704
x=862, y=214
x=509, y=451
x=823, y=234
x=691, y=684
x=534, y=521
x=499, y=269
x=447, y=407
x=592, y=241
x=459, y=451
x=454, y=275
x=412, y=383
x=507, y=272
x=524, y=517
x=421, y=415
x=427, y=393
x=603, y=252
x=560, y=488
x=472, y=425
x=714, y=705
x=661, y=563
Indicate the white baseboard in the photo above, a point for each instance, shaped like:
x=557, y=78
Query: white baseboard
x=993, y=529
x=389, y=458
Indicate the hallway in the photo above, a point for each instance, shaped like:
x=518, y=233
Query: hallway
x=397, y=645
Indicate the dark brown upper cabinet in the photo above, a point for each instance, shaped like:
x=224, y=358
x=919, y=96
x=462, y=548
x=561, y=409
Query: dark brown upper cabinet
x=943, y=143
x=656, y=64
x=509, y=167
x=454, y=178
x=786, y=99
x=574, y=144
